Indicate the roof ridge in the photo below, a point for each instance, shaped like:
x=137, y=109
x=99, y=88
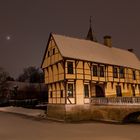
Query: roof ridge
x=82, y=49
x=76, y=38
x=69, y=36
x=91, y=41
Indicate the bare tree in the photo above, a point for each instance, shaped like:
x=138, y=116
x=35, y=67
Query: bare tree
x=32, y=75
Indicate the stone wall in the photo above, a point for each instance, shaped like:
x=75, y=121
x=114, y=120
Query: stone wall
x=87, y=112
x=77, y=112
x=56, y=112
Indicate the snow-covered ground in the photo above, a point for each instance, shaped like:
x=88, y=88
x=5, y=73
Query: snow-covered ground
x=24, y=111
x=14, y=127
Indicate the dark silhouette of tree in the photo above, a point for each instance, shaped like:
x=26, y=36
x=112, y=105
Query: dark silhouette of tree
x=3, y=81
x=9, y=78
x=32, y=75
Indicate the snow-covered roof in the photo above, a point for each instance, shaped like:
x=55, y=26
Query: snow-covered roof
x=95, y=52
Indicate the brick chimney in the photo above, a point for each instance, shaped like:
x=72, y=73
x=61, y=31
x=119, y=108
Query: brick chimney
x=108, y=41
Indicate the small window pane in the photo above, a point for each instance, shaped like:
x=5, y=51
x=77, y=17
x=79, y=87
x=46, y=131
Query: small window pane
x=51, y=95
x=101, y=71
x=94, y=70
x=48, y=53
x=70, y=67
x=118, y=91
x=134, y=75
x=61, y=93
x=115, y=72
x=53, y=51
x=86, y=91
x=70, y=90
x=121, y=72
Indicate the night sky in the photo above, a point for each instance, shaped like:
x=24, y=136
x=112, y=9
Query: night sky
x=26, y=24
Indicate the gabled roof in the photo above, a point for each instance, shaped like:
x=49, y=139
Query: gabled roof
x=95, y=52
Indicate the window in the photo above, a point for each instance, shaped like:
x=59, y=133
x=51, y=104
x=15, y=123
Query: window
x=70, y=67
x=51, y=95
x=127, y=86
x=53, y=51
x=70, y=90
x=94, y=70
x=112, y=85
x=61, y=93
x=86, y=91
x=48, y=53
x=118, y=91
x=139, y=87
x=121, y=72
x=133, y=90
x=115, y=72
x=101, y=71
x=123, y=85
x=134, y=75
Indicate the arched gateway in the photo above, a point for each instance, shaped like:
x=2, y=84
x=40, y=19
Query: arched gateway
x=133, y=117
x=99, y=91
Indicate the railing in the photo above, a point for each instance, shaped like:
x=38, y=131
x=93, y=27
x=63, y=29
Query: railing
x=115, y=101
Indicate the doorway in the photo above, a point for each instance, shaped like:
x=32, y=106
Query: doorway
x=99, y=91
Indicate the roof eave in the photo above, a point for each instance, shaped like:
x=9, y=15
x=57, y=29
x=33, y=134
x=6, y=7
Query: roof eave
x=46, y=49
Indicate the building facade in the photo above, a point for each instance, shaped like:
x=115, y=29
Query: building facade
x=77, y=70
x=74, y=80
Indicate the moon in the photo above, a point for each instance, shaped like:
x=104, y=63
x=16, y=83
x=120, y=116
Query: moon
x=8, y=37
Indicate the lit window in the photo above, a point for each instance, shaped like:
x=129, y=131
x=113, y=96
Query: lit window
x=70, y=67
x=70, y=90
x=94, y=70
x=115, y=72
x=86, y=91
x=101, y=71
x=121, y=72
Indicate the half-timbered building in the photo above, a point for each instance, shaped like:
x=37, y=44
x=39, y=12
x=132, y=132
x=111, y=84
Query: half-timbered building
x=78, y=69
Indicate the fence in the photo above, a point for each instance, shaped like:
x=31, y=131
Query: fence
x=116, y=101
